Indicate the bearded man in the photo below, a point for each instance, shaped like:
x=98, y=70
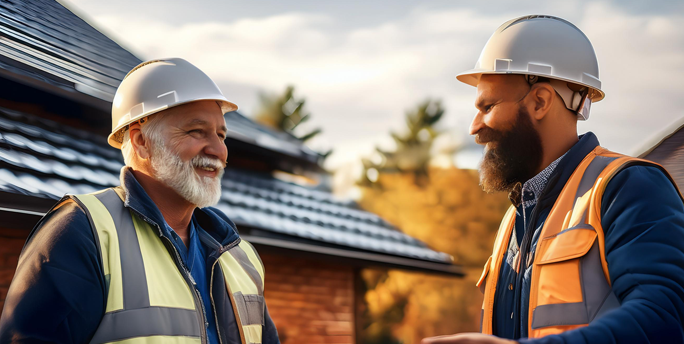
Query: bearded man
x=149, y=261
x=592, y=249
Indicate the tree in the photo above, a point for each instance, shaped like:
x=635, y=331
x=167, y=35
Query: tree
x=451, y=214
x=413, y=147
x=284, y=112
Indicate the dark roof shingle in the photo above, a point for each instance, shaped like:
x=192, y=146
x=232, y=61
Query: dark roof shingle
x=47, y=160
x=45, y=35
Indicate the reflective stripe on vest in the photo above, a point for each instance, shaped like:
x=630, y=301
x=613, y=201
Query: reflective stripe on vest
x=245, y=286
x=570, y=284
x=148, y=299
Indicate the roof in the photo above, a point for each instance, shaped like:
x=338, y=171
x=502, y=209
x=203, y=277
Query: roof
x=48, y=47
x=658, y=138
x=42, y=159
x=42, y=41
x=244, y=129
x=49, y=38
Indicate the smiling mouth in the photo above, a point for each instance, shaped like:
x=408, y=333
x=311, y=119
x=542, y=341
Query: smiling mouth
x=207, y=168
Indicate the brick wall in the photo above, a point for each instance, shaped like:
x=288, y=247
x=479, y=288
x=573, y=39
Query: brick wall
x=11, y=242
x=310, y=301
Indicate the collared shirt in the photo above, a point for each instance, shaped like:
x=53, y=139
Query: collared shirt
x=531, y=191
x=507, y=306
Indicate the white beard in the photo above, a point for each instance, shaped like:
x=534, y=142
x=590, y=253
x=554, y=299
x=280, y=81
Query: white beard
x=181, y=176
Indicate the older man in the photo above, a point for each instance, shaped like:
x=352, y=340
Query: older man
x=149, y=261
x=592, y=249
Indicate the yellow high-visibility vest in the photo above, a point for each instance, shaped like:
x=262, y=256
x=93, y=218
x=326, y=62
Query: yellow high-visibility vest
x=151, y=296
x=570, y=283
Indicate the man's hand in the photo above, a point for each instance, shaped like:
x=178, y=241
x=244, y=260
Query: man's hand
x=466, y=338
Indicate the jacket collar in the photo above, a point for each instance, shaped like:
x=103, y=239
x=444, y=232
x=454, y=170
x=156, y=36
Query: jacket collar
x=209, y=219
x=587, y=143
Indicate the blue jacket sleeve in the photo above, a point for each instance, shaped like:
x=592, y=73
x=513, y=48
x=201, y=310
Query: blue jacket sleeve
x=58, y=291
x=643, y=220
x=270, y=334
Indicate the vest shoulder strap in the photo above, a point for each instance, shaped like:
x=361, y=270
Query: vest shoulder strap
x=490, y=273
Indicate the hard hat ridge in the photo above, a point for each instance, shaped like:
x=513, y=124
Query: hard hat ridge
x=514, y=21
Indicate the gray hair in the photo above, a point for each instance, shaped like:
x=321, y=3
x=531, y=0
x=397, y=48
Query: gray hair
x=151, y=130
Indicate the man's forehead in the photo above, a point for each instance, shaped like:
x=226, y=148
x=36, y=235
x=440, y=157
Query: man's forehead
x=206, y=121
x=200, y=113
x=498, y=85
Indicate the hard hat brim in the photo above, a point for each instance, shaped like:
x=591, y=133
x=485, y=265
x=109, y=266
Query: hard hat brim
x=472, y=78
x=115, y=138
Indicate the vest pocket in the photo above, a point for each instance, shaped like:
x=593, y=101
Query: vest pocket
x=560, y=294
x=250, y=307
x=569, y=244
x=559, y=265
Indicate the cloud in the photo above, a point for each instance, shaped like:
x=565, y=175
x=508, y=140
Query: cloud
x=359, y=81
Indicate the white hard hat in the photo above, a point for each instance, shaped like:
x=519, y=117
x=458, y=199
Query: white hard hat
x=157, y=85
x=548, y=47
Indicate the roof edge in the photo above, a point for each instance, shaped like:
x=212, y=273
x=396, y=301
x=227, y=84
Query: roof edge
x=86, y=18
x=364, y=258
x=658, y=138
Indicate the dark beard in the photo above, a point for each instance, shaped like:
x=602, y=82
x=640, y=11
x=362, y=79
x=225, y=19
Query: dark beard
x=515, y=158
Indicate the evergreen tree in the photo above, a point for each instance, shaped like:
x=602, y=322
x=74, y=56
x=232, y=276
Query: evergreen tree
x=412, y=153
x=285, y=113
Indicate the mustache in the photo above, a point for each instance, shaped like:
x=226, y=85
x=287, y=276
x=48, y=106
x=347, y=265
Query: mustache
x=486, y=135
x=203, y=161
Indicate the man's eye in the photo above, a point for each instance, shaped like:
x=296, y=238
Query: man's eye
x=195, y=131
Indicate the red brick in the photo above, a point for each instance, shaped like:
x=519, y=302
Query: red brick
x=6, y=276
x=339, y=339
x=310, y=301
x=11, y=246
x=11, y=261
x=14, y=233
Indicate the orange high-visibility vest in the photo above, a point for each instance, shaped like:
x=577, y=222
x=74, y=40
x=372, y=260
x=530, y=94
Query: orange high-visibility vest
x=570, y=285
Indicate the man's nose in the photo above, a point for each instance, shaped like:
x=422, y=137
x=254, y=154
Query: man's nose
x=216, y=148
x=477, y=124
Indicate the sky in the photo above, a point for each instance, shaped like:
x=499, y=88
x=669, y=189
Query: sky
x=362, y=64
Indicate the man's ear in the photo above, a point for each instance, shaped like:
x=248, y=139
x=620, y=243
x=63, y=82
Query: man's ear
x=138, y=141
x=542, y=97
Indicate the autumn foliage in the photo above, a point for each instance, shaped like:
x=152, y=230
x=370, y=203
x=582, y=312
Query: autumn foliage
x=451, y=214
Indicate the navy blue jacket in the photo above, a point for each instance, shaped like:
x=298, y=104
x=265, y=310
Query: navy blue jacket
x=58, y=293
x=642, y=216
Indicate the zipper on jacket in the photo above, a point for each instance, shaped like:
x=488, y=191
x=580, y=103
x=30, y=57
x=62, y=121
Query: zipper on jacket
x=525, y=244
x=211, y=297
x=217, y=246
x=191, y=283
x=218, y=253
x=520, y=278
x=219, y=250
